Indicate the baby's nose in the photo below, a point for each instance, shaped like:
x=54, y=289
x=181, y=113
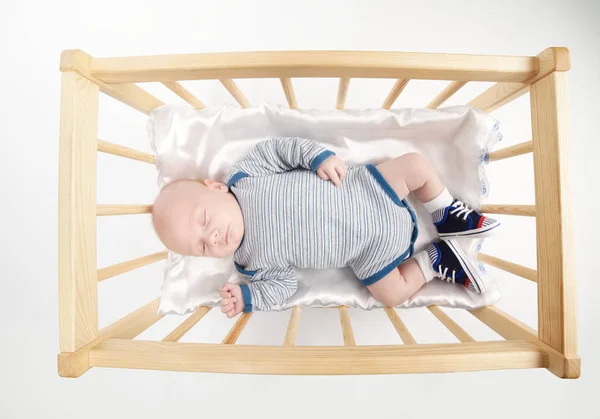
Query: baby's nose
x=215, y=237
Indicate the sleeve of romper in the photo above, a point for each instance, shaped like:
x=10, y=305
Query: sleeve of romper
x=282, y=154
x=268, y=288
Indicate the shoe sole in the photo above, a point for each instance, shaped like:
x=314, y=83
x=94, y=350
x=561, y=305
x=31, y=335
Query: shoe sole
x=471, y=270
x=478, y=232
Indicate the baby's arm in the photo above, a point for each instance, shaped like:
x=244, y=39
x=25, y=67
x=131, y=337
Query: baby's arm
x=266, y=289
x=279, y=155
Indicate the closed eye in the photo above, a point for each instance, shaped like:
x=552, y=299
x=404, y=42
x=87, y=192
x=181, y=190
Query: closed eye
x=204, y=218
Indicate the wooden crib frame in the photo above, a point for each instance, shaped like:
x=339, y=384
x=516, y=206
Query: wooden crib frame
x=82, y=345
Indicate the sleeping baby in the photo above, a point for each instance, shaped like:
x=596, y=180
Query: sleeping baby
x=292, y=203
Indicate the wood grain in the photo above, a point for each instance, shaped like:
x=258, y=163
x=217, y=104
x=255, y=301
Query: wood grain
x=103, y=209
x=121, y=151
x=450, y=324
x=292, y=329
x=183, y=93
x=276, y=64
x=512, y=151
x=121, y=268
x=288, y=90
x=74, y=364
x=186, y=325
x=343, y=85
x=445, y=94
x=347, y=332
x=507, y=266
x=397, y=88
x=237, y=329
x=235, y=91
x=400, y=327
x=77, y=288
x=522, y=210
x=555, y=237
x=563, y=366
x=130, y=94
x=550, y=60
x=305, y=360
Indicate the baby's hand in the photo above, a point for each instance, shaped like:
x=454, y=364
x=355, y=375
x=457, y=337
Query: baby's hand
x=333, y=169
x=232, y=301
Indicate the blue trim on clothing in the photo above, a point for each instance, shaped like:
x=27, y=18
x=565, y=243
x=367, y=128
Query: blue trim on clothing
x=236, y=176
x=386, y=270
x=320, y=158
x=244, y=271
x=247, y=298
x=401, y=203
x=385, y=185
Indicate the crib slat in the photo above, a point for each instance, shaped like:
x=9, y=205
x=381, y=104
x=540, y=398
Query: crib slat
x=512, y=151
x=237, y=329
x=522, y=210
x=290, y=335
x=343, y=85
x=513, y=268
x=347, y=332
x=183, y=93
x=235, y=91
x=505, y=325
x=288, y=89
x=450, y=324
x=73, y=364
x=121, y=268
x=128, y=93
x=102, y=210
x=186, y=325
x=445, y=94
x=391, y=98
x=121, y=151
x=550, y=60
x=400, y=327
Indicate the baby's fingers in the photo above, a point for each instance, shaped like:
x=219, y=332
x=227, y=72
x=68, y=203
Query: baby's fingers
x=341, y=171
x=227, y=301
x=322, y=174
x=225, y=308
x=225, y=294
x=333, y=175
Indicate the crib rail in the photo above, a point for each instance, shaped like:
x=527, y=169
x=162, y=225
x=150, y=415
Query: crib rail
x=115, y=348
x=553, y=346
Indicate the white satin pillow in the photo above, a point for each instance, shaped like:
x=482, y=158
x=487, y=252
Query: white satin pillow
x=191, y=143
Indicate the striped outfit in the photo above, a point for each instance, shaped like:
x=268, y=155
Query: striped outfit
x=293, y=218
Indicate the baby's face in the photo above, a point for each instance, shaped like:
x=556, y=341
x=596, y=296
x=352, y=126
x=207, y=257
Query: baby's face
x=199, y=219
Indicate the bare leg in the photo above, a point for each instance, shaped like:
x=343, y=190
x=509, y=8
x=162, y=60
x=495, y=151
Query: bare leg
x=412, y=173
x=399, y=285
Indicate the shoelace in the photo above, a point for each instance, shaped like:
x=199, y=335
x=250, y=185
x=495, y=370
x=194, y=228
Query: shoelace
x=461, y=209
x=444, y=274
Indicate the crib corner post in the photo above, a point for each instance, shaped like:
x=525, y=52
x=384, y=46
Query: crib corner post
x=555, y=239
x=77, y=275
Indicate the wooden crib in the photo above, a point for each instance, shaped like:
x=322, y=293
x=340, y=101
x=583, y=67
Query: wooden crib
x=82, y=345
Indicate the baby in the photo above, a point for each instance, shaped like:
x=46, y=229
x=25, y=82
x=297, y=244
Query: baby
x=290, y=202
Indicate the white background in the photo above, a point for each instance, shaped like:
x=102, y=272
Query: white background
x=32, y=35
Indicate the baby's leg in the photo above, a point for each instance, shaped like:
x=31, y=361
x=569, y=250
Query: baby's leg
x=412, y=173
x=399, y=285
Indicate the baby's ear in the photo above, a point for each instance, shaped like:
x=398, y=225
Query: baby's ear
x=213, y=185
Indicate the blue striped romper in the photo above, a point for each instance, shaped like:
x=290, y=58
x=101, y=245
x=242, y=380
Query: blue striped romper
x=293, y=218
